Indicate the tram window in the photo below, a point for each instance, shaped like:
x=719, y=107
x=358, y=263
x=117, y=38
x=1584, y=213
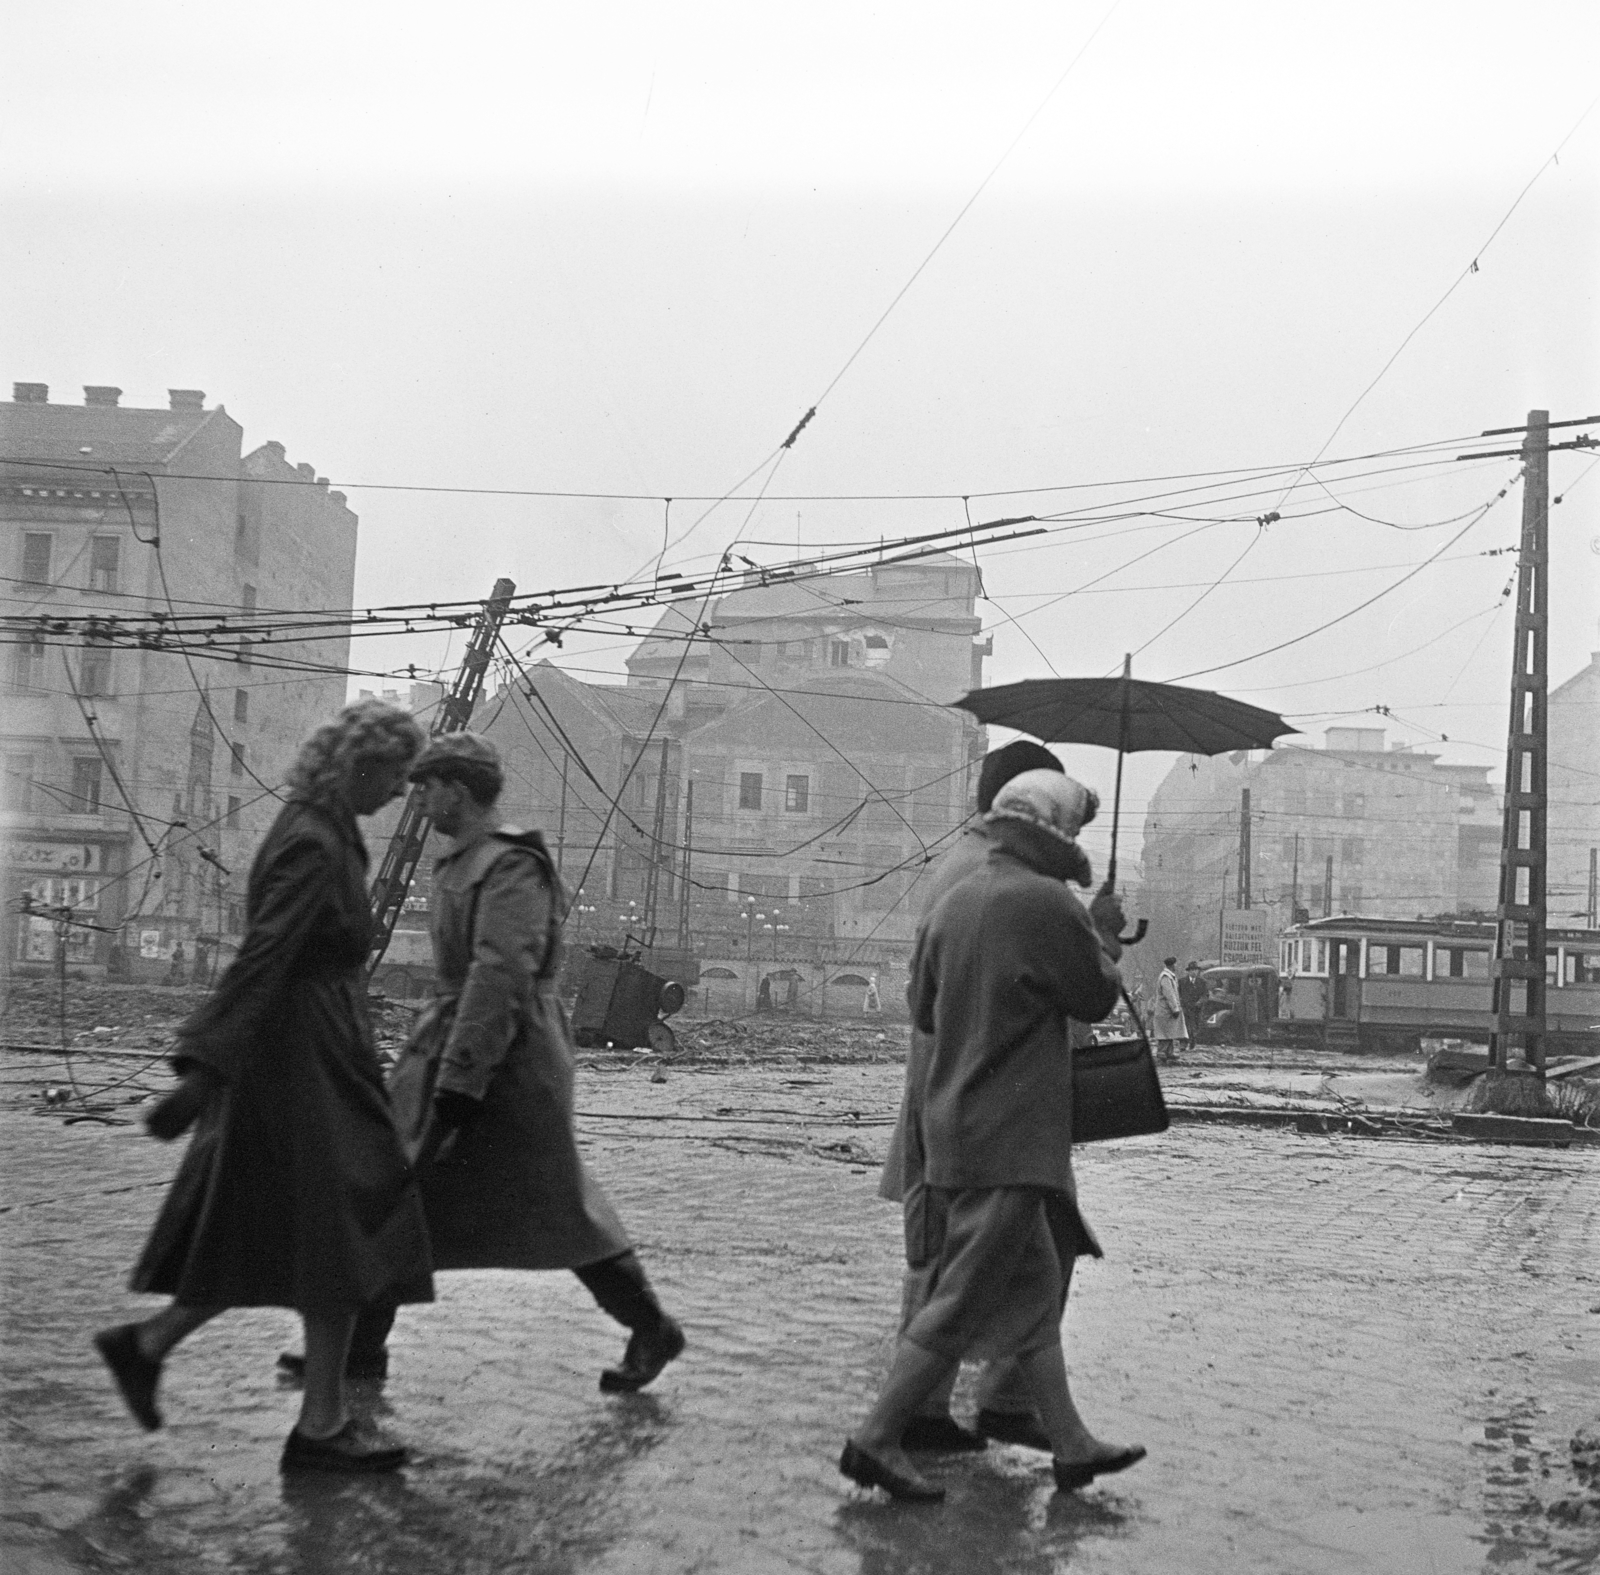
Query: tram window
x=1583, y=967
x=1404, y=961
x=1319, y=957
x=1550, y=964
x=1464, y=962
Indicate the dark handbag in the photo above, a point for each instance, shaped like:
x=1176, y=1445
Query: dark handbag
x=1115, y=1090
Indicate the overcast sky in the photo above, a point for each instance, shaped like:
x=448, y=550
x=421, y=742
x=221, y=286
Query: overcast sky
x=622, y=249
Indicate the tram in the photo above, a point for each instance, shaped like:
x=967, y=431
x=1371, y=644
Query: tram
x=1381, y=984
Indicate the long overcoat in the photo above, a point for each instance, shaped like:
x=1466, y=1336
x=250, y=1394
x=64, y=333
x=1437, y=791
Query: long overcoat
x=508, y=1190
x=295, y=1190
x=1169, y=1022
x=1001, y=963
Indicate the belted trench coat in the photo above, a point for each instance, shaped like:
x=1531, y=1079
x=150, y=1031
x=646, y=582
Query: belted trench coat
x=508, y=1190
x=295, y=1190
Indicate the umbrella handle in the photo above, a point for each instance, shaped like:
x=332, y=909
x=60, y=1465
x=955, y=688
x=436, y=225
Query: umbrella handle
x=1141, y=926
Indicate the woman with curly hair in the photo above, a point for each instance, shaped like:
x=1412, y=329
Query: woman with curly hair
x=295, y=1190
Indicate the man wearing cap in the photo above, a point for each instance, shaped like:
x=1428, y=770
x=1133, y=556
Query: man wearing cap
x=1192, y=993
x=1003, y=960
x=483, y=1091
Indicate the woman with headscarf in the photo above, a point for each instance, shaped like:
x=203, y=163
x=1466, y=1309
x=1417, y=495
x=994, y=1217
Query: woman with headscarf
x=295, y=1190
x=1002, y=962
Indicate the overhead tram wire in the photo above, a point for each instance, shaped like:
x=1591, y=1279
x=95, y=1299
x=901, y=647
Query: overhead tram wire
x=1395, y=585
x=934, y=250
x=1040, y=489
x=1470, y=269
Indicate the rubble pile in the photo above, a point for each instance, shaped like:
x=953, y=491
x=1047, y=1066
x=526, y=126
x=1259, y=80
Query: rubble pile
x=740, y=1041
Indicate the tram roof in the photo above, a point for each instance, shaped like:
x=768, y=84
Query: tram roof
x=1443, y=927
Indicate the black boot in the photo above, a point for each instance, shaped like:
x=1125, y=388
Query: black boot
x=623, y=1290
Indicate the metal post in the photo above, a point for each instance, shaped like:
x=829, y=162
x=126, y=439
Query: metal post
x=1520, y=912
x=684, y=942
x=561, y=824
x=1294, y=884
x=1244, y=848
x=1327, y=889
x=652, y=881
x=1594, y=888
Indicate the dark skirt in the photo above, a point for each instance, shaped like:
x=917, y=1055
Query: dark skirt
x=295, y=1190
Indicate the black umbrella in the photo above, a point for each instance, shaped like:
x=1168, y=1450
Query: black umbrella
x=1126, y=714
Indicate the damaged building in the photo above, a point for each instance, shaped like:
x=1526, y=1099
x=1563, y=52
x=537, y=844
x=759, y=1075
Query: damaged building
x=779, y=785
x=137, y=782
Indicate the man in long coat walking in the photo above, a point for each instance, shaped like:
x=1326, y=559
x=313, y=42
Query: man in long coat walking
x=484, y=1087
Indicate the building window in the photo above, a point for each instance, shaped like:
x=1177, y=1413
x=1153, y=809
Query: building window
x=241, y=705
x=838, y=653
x=236, y=765
x=86, y=785
x=105, y=553
x=27, y=666
x=16, y=791
x=234, y=805
x=1352, y=850
x=36, y=558
x=248, y=599
x=1290, y=847
x=797, y=795
x=1350, y=896
x=247, y=538
x=749, y=790
x=1294, y=801
x=1355, y=803
x=94, y=667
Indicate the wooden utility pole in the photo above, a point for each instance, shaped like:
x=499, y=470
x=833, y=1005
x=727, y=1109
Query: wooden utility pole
x=404, y=852
x=1244, y=848
x=1517, y=971
x=1294, y=884
x=1327, y=889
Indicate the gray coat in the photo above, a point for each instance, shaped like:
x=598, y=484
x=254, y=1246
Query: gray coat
x=1001, y=963
x=509, y=1191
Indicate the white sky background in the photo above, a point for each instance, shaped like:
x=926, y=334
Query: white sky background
x=623, y=248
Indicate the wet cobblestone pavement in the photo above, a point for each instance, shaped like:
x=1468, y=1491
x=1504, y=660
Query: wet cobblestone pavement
x=1344, y=1354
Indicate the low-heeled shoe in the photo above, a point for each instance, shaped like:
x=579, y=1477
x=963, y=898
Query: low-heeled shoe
x=644, y=1358
x=940, y=1435
x=345, y=1450
x=1013, y=1427
x=869, y=1471
x=1074, y=1474
x=136, y=1375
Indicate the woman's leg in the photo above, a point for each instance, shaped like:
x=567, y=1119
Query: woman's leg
x=157, y=1335
x=913, y=1376
x=322, y=1407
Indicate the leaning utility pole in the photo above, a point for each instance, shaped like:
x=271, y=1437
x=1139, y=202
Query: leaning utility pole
x=1517, y=972
x=684, y=943
x=404, y=852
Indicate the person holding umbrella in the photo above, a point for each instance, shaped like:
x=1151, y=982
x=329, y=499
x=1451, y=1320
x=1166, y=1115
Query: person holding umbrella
x=1001, y=963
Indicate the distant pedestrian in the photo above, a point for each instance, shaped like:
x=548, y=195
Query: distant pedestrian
x=871, y=1002
x=295, y=1190
x=1169, y=1023
x=764, y=994
x=1192, y=993
x=177, y=971
x=483, y=1090
x=1002, y=962
x=791, y=994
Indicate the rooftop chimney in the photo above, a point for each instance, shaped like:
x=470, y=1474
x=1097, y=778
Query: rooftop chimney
x=101, y=394
x=308, y=471
x=187, y=398
x=31, y=393
x=274, y=448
